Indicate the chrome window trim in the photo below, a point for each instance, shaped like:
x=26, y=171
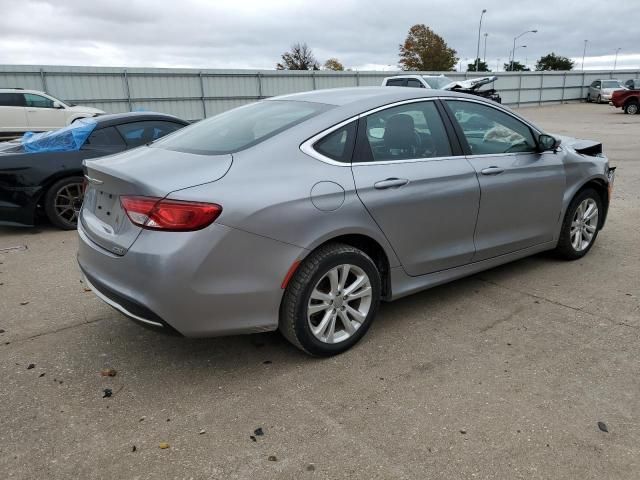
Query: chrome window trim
x=307, y=146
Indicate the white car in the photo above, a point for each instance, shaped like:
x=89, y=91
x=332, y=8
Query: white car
x=440, y=82
x=33, y=111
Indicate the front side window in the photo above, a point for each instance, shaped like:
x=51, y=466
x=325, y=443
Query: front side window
x=405, y=132
x=242, y=127
x=412, y=82
x=338, y=145
x=596, y=84
x=140, y=133
x=105, y=137
x=37, y=101
x=491, y=131
x=395, y=82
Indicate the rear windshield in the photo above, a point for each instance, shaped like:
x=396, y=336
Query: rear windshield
x=611, y=84
x=437, y=82
x=241, y=128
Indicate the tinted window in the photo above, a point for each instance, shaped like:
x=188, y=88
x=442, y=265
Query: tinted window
x=37, y=101
x=11, y=100
x=140, y=133
x=596, y=84
x=105, y=137
x=338, y=145
x=412, y=82
x=413, y=130
x=395, y=82
x=491, y=131
x=242, y=127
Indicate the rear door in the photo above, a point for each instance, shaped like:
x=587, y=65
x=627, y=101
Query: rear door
x=41, y=115
x=13, y=114
x=521, y=188
x=423, y=196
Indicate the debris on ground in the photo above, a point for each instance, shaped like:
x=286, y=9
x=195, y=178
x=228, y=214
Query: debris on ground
x=202, y=432
x=107, y=393
x=164, y=445
x=24, y=303
x=134, y=448
x=258, y=432
x=266, y=362
x=41, y=375
x=30, y=366
x=311, y=467
x=142, y=418
x=463, y=432
x=272, y=458
x=1, y=329
x=603, y=427
x=9, y=249
x=253, y=439
x=108, y=372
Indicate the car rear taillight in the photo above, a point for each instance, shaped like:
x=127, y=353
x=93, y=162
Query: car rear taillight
x=155, y=213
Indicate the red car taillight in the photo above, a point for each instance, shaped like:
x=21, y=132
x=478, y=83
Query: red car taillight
x=155, y=213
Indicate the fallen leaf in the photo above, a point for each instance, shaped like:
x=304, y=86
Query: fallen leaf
x=603, y=427
x=164, y=445
x=41, y=375
x=463, y=432
x=107, y=393
x=258, y=432
x=252, y=438
x=272, y=458
x=30, y=366
x=142, y=418
x=108, y=372
x=202, y=432
x=134, y=448
x=24, y=303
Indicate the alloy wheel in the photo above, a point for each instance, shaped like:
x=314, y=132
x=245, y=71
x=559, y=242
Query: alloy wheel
x=68, y=201
x=584, y=224
x=339, y=303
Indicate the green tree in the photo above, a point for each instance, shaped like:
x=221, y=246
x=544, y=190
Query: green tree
x=299, y=58
x=517, y=67
x=333, y=64
x=554, y=62
x=425, y=50
x=482, y=66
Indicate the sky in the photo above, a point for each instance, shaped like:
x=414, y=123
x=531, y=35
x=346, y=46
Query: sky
x=253, y=34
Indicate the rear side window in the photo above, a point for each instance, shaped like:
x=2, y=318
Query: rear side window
x=242, y=127
x=37, y=101
x=395, y=82
x=105, y=137
x=338, y=145
x=11, y=100
x=412, y=82
x=140, y=133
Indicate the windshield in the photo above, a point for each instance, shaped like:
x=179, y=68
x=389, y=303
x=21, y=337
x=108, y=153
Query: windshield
x=241, y=128
x=67, y=139
x=611, y=84
x=437, y=82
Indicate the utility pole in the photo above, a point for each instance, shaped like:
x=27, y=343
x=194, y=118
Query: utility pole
x=584, y=52
x=615, y=62
x=484, y=57
x=484, y=10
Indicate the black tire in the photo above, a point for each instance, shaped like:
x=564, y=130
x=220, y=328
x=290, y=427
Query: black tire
x=67, y=220
x=599, y=99
x=293, y=311
x=565, y=248
x=632, y=108
x=588, y=98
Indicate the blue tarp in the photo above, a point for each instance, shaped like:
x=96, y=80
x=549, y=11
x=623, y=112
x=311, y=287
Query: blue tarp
x=67, y=139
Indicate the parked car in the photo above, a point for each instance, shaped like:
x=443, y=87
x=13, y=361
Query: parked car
x=43, y=172
x=601, y=90
x=632, y=83
x=302, y=212
x=440, y=82
x=628, y=100
x=34, y=111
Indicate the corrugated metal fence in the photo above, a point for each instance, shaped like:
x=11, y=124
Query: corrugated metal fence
x=195, y=94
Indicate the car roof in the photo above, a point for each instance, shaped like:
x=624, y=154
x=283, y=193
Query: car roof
x=20, y=90
x=366, y=95
x=110, y=120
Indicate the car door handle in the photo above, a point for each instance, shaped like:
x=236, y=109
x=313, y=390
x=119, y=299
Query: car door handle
x=492, y=171
x=390, y=183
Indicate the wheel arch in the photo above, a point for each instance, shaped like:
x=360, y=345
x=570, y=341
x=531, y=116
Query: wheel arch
x=601, y=187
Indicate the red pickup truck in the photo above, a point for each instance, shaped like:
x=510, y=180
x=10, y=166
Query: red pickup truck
x=629, y=100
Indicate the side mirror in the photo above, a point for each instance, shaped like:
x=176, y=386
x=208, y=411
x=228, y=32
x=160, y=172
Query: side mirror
x=547, y=142
x=57, y=104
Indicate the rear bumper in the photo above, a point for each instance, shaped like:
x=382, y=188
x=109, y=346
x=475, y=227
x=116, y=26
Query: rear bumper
x=216, y=281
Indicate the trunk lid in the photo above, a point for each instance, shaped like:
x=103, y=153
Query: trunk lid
x=147, y=171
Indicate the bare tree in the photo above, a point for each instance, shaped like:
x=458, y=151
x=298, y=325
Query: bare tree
x=299, y=58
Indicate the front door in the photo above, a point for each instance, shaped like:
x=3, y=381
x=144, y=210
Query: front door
x=521, y=188
x=41, y=115
x=423, y=197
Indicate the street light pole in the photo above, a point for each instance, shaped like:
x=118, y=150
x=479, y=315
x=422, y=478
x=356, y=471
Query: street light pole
x=484, y=10
x=615, y=62
x=484, y=57
x=513, y=54
x=584, y=53
x=513, y=58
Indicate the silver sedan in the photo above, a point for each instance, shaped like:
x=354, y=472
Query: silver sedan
x=303, y=212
